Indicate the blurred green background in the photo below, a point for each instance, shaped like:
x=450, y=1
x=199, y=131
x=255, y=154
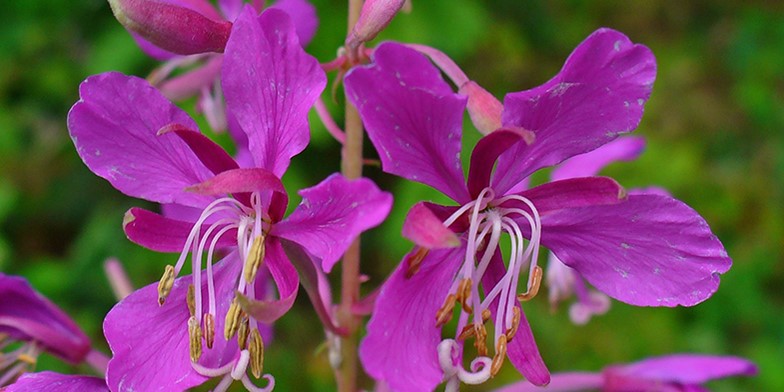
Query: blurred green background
x=714, y=129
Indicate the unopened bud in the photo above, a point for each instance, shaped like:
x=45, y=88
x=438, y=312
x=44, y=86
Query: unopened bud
x=194, y=338
x=256, y=348
x=375, y=16
x=485, y=109
x=165, y=284
x=172, y=27
x=255, y=258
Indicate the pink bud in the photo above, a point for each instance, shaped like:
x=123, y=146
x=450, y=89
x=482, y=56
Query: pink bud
x=375, y=16
x=174, y=28
x=485, y=110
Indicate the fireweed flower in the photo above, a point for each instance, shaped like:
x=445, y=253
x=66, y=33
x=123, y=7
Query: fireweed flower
x=208, y=323
x=200, y=70
x=672, y=373
x=645, y=250
x=55, y=382
x=28, y=317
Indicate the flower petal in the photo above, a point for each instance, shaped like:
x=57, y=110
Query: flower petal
x=412, y=117
x=687, y=368
x=270, y=84
x=332, y=214
x=162, y=234
x=114, y=127
x=27, y=315
x=486, y=153
x=239, y=181
x=560, y=382
x=573, y=193
x=427, y=230
x=400, y=347
x=589, y=164
x=213, y=156
x=650, y=250
x=303, y=14
x=286, y=279
x=56, y=382
x=145, y=338
x=598, y=94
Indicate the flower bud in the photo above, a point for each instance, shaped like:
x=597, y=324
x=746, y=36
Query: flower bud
x=171, y=27
x=375, y=16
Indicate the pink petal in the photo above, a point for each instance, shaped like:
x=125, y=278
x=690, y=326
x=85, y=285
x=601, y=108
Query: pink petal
x=332, y=214
x=687, y=368
x=486, y=153
x=114, y=127
x=589, y=164
x=190, y=83
x=598, y=95
x=303, y=14
x=209, y=153
x=239, y=181
x=145, y=338
x=425, y=229
x=400, y=347
x=573, y=193
x=270, y=84
x=412, y=117
x=55, y=382
x=286, y=280
x=649, y=251
x=560, y=382
x=27, y=315
x=163, y=234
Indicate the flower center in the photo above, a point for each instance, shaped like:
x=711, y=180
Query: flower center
x=489, y=218
x=251, y=224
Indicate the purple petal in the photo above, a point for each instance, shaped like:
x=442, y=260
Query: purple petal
x=598, y=94
x=561, y=382
x=649, y=251
x=412, y=117
x=687, y=368
x=400, y=347
x=56, y=382
x=114, y=127
x=163, y=234
x=145, y=338
x=303, y=14
x=209, y=153
x=286, y=279
x=230, y=8
x=151, y=50
x=192, y=82
x=332, y=214
x=270, y=84
x=427, y=230
x=27, y=315
x=486, y=153
x=239, y=181
x=590, y=163
x=573, y=193
x=522, y=349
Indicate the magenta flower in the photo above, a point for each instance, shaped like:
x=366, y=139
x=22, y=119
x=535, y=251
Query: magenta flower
x=128, y=133
x=28, y=317
x=644, y=250
x=672, y=373
x=55, y=382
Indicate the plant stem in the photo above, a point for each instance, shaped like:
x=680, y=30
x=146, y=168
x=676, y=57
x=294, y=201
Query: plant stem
x=351, y=167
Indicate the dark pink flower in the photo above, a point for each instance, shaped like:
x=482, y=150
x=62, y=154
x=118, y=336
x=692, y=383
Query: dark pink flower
x=128, y=133
x=642, y=249
x=55, y=382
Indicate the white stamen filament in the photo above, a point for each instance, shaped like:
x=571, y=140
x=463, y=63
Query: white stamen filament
x=479, y=369
x=196, y=262
x=241, y=366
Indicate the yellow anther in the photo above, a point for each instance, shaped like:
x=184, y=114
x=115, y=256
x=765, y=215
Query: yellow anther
x=255, y=258
x=165, y=284
x=414, y=260
x=467, y=332
x=445, y=313
x=243, y=333
x=27, y=358
x=486, y=315
x=481, y=339
x=233, y=319
x=500, y=355
x=536, y=281
x=464, y=294
x=209, y=329
x=511, y=332
x=191, y=300
x=194, y=338
x=256, y=348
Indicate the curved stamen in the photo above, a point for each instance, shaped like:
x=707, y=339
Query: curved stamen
x=479, y=369
x=253, y=388
x=212, y=372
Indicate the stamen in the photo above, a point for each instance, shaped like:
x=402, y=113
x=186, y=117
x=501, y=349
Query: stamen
x=194, y=335
x=165, y=284
x=209, y=329
x=414, y=260
x=191, y=300
x=241, y=366
x=511, y=332
x=28, y=359
x=500, y=355
x=254, y=259
x=536, y=281
x=233, y=319
x=467, y=332
x=481, y=339
x=243, y=333
x=464, y=294
x=256, y=348
x=445, y=313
